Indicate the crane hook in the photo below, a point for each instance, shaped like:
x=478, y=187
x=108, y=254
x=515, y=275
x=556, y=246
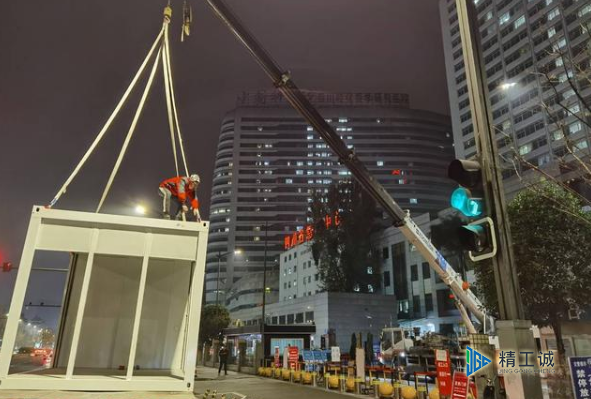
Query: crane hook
x=187, y=19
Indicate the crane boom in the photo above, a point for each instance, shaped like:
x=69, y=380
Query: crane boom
x=283, y=82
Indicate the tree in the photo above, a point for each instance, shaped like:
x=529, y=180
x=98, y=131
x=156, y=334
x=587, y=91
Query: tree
x=551, y=234
x=47, y=338
x=214, y=318
x=343, y=221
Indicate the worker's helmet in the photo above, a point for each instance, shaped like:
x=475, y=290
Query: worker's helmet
x=195, y=178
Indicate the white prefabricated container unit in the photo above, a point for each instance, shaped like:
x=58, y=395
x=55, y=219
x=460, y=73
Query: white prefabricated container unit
x=131, y=306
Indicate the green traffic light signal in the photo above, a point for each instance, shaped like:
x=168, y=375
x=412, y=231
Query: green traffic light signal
x=461, y=199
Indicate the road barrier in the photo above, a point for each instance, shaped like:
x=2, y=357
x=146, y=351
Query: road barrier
x=380, y=387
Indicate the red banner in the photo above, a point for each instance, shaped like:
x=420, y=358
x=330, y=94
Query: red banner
x=293, y=357
x=460, y=386
x=443, y=372
x=277, y=360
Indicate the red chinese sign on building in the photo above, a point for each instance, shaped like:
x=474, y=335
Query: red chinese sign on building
x=443, y=372
x=307, y=234
x=459, y=386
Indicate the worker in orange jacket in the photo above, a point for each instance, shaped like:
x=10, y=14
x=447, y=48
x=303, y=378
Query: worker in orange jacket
x=183, y=191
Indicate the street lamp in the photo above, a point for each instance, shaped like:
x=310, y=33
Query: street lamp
x=220, y=255
x=507, y=85
x=140, y=209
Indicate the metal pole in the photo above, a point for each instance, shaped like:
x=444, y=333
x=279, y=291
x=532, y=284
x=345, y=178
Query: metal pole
x=217, y=288
x=513, y=331
x=510, y=306
x=264, y=287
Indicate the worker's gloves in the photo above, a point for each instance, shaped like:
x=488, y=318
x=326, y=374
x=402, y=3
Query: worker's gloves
x=185, y=208
x=196, y=214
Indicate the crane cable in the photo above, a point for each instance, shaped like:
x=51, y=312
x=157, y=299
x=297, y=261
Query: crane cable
x=106, y=126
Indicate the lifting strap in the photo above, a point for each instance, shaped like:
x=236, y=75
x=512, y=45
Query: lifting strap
x=163, y=55
x=138, y=112
x=169, y=98
x=100, y=135
x=166, y=54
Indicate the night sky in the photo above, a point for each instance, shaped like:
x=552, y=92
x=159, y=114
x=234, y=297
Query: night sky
x=65, y=64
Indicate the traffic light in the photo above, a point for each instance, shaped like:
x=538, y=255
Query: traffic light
x=6, y=266
x=468, y=198
x=477, y=236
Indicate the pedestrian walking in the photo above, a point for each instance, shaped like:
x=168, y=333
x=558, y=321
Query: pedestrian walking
x=223, y=355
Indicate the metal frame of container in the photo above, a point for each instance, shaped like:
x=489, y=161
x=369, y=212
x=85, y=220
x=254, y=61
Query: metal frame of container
x=124, y=237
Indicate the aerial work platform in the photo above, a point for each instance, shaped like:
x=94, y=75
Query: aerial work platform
x=131, y=305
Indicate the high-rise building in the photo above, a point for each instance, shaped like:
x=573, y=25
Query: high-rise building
x=532, y=53
x=270, y=162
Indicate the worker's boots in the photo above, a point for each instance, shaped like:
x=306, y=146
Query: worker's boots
x=165, y=216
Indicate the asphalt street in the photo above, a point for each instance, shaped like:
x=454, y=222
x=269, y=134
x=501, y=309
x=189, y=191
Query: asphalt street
x=234, y=386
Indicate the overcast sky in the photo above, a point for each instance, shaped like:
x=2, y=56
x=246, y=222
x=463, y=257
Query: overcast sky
x=65, y=64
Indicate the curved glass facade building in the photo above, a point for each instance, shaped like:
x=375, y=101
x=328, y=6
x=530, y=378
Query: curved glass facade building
x=270, y=161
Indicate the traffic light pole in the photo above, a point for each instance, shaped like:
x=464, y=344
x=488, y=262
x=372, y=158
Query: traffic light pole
x=513, y=331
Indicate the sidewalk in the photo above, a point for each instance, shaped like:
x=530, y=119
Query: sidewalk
x=204, y=373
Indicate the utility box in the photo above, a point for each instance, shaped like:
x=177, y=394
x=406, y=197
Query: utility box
x=131, y=304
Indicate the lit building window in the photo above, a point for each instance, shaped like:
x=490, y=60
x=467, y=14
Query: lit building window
x=414, y=201
x=553, y=14
x=504, y=18
x=343, y=120
x=380, y=163
x=369, y=270
x=310, y=136
x=574, y=127
x=574, y=108
x=310, y=128
x=288, y=181
x=581, y=145
x=519, y=21
x=525, y=149
x=584, y=10
x=543, y=159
